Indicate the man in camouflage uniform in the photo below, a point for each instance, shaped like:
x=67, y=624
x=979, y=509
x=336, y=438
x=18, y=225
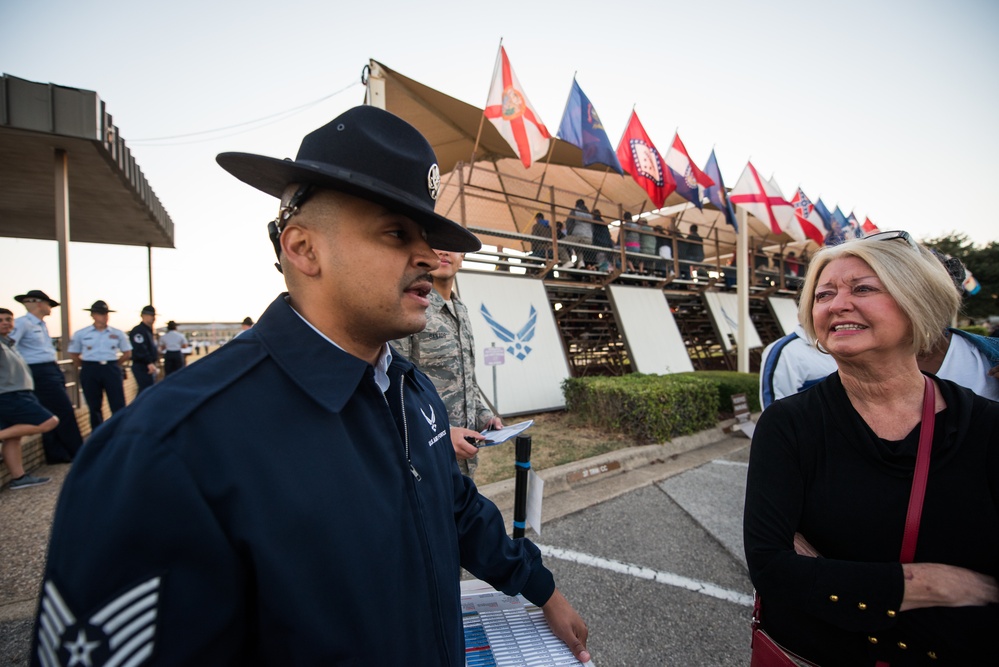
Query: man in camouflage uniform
x=445, y=352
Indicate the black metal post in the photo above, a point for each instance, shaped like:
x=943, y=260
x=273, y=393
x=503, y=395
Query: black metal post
x=523, y=463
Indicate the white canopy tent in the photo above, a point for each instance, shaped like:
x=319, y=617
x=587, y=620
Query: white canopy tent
x=491, y=189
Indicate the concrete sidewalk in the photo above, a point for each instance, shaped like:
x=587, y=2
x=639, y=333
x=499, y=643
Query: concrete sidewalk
x=26, y=515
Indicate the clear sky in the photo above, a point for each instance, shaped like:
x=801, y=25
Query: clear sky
x=885, y=108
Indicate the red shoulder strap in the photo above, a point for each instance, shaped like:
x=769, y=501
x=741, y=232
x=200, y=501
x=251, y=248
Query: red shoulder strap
x=920, y=474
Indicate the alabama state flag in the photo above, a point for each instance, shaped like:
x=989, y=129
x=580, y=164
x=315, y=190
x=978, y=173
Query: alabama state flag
x=509, y=110
x=762, y=199
x=639, y=157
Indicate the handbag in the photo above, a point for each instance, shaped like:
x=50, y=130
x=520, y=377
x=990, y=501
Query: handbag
x=768, y=653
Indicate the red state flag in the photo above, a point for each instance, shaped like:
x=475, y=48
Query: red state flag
x=509, y=110
x=869, y=227
x=639, y=157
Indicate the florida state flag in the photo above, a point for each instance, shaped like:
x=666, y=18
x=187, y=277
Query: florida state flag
x=512, y=114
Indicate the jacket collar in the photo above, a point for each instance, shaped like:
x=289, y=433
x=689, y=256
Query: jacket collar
x=322, y=370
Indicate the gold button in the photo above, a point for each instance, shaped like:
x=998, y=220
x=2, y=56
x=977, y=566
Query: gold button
x=891, y=613
x=902, y=645
x=873, y=640
x=861, y=606
x=932, y=654
x=834, y=598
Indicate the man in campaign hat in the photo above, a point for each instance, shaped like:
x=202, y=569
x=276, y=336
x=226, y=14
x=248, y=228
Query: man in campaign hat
x=100, y=352
x=31, y=336
x=300, y=502
x=145, y=354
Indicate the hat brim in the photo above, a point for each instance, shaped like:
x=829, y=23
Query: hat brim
x=21, y=297
x=272, y=176
x=99, y=312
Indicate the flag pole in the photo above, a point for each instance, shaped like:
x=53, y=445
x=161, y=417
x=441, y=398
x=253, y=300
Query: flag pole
x=742, y=291
x=471, y=164
x=548, y=158
x=602, y=181
x=623, y=132
x=551, y=142
x=482, y=119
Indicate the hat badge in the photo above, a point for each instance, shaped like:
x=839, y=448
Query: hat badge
x=434, y=181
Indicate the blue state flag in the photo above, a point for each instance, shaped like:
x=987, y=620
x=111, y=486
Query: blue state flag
x=716, y=193
x=838, y=227
x=581, y=127
x=840, y=219
x=824, y=213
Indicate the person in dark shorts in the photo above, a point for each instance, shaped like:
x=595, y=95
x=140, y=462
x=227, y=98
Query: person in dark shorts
x=20, y=412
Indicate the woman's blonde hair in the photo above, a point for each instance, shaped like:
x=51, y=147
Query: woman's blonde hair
x=911, y=274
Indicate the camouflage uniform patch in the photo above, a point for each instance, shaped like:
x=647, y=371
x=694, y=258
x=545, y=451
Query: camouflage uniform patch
x=445, y=352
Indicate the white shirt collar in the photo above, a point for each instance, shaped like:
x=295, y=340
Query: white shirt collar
x=381, y=364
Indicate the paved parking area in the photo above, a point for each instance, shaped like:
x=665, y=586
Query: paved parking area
x=658, y=572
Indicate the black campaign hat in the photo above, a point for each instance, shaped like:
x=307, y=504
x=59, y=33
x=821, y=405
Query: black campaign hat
x=369, y=153
x=100, y=307
x=148, y=310
x=36, y=294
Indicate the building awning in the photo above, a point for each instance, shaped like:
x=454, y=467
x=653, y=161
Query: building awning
x=110, y=200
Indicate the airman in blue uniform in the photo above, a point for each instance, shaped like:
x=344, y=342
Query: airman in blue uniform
x=292, y=498
x=100, y=352
x=35, y=345
x=145, y=355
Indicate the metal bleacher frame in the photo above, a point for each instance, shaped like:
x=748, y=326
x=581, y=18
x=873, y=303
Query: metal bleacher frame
x=581, y=307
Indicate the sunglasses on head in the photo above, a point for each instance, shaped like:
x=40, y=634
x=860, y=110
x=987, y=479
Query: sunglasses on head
x=891, y=236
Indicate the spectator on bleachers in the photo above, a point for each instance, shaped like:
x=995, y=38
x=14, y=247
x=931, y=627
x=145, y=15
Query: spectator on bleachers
x=664, y=248
x=579, y=229
x=542, y=230
x=632, y=240
x=647, y=246
x=602, y=238
x=691, y=251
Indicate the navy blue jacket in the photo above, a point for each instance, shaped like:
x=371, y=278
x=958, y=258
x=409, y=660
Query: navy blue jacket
x=143, y=345
x=261, y=508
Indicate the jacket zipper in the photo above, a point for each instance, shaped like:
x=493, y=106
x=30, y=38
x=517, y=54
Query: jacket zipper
x=412, y=469
x=405, y=427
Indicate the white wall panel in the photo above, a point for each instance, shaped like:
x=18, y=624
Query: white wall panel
x=786, y=311
x=724, y=309
x=514, y=313
x=650, y=332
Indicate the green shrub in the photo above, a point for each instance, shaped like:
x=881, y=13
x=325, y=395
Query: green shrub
x=650, y=408
x=730, y=383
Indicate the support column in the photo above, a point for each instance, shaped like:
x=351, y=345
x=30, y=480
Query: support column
x=149, y=263
x=742, y=290
x=62, y=238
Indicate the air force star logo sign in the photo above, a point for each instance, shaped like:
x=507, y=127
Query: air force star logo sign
x=119, y=633
x=518, y=346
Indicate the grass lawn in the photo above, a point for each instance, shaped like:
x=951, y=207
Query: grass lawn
x=554, y=441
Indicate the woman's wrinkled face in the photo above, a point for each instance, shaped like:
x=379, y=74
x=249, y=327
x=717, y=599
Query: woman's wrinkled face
x=854, y=314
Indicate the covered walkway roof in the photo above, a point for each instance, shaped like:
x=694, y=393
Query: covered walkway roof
x=109, y=199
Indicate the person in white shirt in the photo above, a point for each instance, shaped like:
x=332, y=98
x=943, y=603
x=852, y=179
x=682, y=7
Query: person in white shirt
x=172, y=344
